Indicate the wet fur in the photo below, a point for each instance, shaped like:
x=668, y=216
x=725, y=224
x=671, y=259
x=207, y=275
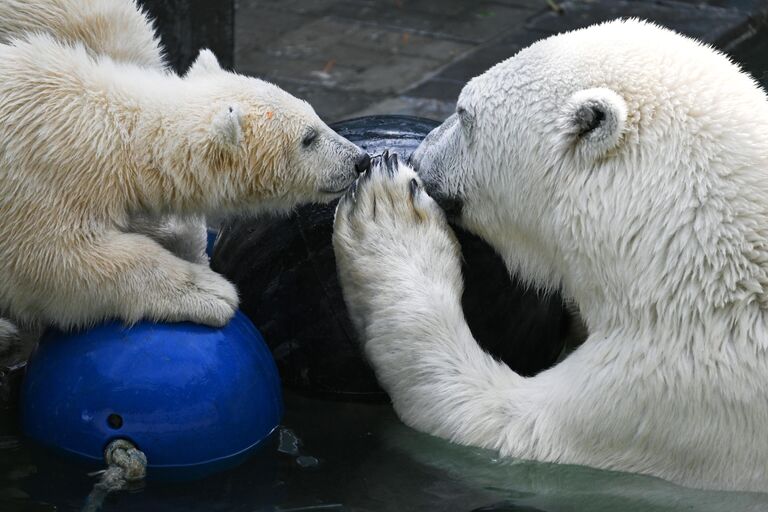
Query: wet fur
x=102, y=154
x=652, y=216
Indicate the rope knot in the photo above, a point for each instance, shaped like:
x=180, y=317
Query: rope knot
x=125, y=464
x=124, y=455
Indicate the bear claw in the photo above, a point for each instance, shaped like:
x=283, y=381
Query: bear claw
x=414, y=187
x=392, y=164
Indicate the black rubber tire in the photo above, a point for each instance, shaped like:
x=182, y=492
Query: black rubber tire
x=285, y=270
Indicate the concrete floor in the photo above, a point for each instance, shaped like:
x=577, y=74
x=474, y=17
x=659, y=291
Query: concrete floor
x=356, y=57
x=350, y=57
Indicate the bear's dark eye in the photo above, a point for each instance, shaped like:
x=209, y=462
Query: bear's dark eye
x=309, y=138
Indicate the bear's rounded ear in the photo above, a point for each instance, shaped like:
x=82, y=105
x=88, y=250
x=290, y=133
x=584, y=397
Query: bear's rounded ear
x=593, y=121
x=205, y=63
x=227, y=126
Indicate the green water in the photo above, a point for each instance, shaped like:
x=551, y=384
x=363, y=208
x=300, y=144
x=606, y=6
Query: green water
x=338, y=456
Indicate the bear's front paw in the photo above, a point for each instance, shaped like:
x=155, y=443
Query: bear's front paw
x=214, y=298
x=391, y=239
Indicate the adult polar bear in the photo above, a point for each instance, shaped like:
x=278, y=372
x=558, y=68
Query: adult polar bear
x=628, y=166
x=88, y=141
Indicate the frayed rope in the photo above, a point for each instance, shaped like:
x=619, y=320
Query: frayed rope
x=126, y=464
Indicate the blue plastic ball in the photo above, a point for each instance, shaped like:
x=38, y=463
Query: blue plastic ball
x=196, y=400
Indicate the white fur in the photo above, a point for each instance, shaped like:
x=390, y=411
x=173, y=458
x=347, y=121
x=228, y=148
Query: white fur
x=117, y=28
x=91, y=146
x=186, y=237
x=9, y=335
x=206, y=63
x=121, y=31
x=655, y=224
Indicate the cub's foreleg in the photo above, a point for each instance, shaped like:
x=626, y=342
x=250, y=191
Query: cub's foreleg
x=125, y=276
x=186, y=237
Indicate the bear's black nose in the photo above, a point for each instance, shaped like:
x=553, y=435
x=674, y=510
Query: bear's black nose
x=363, y=163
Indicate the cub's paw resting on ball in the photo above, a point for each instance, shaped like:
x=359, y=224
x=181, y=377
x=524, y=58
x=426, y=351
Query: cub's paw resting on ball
x=211, y=300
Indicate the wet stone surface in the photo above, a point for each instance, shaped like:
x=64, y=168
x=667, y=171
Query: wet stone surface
x=412, y=57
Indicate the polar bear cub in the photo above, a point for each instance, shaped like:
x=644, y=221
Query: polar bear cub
x=120, y=30
x=628, y=166
x=86, y=142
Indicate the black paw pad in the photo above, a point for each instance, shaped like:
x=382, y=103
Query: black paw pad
x=377, y=162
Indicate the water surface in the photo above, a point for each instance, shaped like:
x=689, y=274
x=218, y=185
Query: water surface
x=336, y=456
